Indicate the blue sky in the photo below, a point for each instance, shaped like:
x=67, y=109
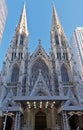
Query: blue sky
x=39, y=19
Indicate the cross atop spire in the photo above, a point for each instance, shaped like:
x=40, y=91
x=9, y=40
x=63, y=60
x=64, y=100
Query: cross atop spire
x=55, y=19
x=22, y=24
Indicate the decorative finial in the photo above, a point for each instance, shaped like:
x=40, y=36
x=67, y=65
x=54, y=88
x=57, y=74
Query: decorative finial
x=39, y=41
x=53, y=4
x=24, y=2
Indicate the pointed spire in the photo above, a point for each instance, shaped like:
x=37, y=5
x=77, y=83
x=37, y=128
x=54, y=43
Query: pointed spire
x=22, y=24
x=55, y=19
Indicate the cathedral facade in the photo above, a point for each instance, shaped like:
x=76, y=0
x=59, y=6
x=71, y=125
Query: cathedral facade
x=40, y=91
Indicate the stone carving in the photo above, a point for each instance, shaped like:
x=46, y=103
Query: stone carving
x=6, y=96
x=40, y=86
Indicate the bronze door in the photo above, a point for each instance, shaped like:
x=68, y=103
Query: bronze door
x=40, y=121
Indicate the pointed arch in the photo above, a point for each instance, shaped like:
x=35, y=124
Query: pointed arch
x=40, y=120
x=15, y=74
x=40, y=64
x=22, y=37
x=56, y=38
x=64, y=73
x=40, y=92
x=38, y=67
x=39, y=53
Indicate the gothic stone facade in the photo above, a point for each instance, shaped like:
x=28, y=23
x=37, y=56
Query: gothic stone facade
x=40, y=90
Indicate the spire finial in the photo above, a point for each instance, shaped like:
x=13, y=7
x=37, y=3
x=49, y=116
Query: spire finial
x=24, y=3
x=53, y=4
x=39, y=41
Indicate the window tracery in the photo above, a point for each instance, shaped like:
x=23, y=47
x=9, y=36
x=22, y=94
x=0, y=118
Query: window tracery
x=64, y=74
x=56, y=39
x=65, y=56
x=40, y=65
x=22, y=39
x=13, y=56
x=15, y=74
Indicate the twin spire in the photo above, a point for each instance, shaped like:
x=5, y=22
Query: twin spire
x=22, y=24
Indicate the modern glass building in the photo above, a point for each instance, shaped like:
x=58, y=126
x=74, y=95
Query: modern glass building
x=3, y=14
x=77, y=49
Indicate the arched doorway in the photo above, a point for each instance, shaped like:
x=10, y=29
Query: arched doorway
x=40, y=121
x=74, y=122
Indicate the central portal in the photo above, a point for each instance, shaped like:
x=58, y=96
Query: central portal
x=40, y=121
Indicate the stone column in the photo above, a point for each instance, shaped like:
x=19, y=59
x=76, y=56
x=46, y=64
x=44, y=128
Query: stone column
x=19, y=89
x=28, y=118
x=59, y=78
x=15, y=126
x=80, y=120
x=53, y=118
x=65, y=121
x=33, y=118
x=61, y=88
x=17, y=121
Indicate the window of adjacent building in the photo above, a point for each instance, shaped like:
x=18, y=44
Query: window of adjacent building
x=64, y=74
x=15, y=74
